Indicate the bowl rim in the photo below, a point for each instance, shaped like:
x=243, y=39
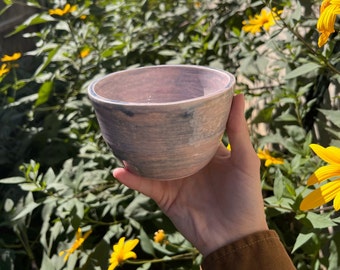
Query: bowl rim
x=95, y=97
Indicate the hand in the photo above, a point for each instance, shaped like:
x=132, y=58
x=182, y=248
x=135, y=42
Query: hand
x=219, y=204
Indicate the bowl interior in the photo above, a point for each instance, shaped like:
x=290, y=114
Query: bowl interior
x=161, y=84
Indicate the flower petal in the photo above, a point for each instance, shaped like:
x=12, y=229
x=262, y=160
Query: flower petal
x=130, y=245
x=323, y=38
x=323, y=173
x=330, y=154
x=120, y=245
x=268, y=163
x=78, y=234
x=87, y=234
x=129, y=255
x=320, y=196
x=113, y=265
x=336, y=202
x=8, y=58
x=324, y=4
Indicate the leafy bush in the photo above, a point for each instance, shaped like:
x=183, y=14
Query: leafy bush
x=55, y=167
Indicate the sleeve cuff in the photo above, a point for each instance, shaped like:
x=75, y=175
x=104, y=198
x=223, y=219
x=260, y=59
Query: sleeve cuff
x=261, y=250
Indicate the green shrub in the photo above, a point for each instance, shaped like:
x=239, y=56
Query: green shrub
x=55, y=169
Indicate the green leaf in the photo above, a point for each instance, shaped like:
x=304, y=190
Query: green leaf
x=334, y=256
x=301, y=240
x=44, y=93
x=33, y=20
x=333, y=116
x=286, y=117
x=7, y=259
x=144, y=266
x=146, y=243
x=320, y=221
x=2, y=11
x=306, y=68
x=296, y=163
x=47, y=263
x=139, y=208
x=264, y=115
x=47, y=61
x=290, y=188
x=13, y=180
x=27, y=210
x=29, y=187
x=278, y=185
x=8, y=205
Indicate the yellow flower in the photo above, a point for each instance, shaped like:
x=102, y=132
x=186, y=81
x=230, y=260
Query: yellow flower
x=84, y=52
x=328, y=11
x=4, y=69
x=329, y=191
x=264, y=154
x=261, y=21
x=61, y=12
x=77, y=243
x=9, y=58
x=122, y=251
x=197, y=4
x=159, y=236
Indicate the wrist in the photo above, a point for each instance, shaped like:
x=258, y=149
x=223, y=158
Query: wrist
x=215, y=242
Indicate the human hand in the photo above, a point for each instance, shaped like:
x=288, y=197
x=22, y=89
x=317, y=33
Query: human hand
x=219, y=204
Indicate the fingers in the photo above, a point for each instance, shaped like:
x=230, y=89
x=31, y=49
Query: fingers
x=143, y=185
x=237, y=129
x=128, y=179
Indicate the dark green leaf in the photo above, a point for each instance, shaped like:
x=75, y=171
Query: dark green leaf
x=146, y=243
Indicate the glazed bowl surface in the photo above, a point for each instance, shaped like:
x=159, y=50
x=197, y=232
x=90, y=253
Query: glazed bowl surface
x=163, y=122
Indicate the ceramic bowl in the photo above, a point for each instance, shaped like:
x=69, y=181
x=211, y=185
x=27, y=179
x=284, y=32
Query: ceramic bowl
x=163, y=122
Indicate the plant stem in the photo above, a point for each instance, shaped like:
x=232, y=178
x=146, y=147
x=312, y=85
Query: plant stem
x=184, y=256
x=278, y=207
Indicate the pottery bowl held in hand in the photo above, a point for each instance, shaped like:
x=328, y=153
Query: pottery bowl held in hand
x=163, y=122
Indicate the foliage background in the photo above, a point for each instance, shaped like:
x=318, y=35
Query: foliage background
x=55, y=167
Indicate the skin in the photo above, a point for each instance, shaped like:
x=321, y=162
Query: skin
x=219, y=204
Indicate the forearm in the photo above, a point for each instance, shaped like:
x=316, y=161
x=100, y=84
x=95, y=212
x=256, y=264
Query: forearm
x=262, y=250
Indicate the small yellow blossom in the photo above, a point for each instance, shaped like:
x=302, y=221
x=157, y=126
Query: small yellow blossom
x=159, y=236
x=264, y=154
x=61, y=12
x=9, y=58
x=84, y=52
x=197, y=4
x=264, y=20
x=77, y=243
x=330, y=190
x=4, y=69
x=83, y=17
x=325, y=25
x=122, y=251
